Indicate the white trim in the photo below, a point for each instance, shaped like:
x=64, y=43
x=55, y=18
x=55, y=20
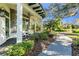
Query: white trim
x=9, y=25
x=19, y=22
x=29, y=9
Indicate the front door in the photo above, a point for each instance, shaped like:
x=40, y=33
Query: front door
x=2, y=30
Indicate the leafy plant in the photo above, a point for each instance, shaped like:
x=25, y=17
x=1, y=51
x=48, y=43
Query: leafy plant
x=76, y=42
x=43, y=36
x=40, y=36
x=16, y=50
x=76, y=31
x=20, y=48
x=54, y=24
x=30, y=44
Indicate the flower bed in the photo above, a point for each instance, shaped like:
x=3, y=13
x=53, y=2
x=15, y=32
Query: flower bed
x=32, y=47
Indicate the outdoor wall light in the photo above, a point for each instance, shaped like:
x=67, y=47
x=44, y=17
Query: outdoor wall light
x=2, y=12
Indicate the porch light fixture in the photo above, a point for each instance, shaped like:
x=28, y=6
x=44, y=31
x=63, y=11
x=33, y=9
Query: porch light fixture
x=2, y=12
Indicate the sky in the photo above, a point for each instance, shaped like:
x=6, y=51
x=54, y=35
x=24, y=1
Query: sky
x=65, y=20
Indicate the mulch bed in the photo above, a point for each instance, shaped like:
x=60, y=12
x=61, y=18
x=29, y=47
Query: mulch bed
x=38, y=48
x=75, y=50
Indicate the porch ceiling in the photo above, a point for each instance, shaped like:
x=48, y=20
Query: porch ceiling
x=27, y=10
x=12, y=5
x=6, y=6
x=37, y=8
x=32, y=8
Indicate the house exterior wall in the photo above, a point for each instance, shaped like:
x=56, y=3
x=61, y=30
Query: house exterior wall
x=5, y=31
x=14, y=20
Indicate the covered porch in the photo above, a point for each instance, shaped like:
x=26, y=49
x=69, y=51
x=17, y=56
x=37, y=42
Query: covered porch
x=19, y=19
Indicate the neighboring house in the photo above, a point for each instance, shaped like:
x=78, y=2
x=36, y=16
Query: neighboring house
x=13, y=25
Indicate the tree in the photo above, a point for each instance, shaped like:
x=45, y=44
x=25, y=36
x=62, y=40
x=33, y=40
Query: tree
x=54, y=24
x=64, y=10
x=48, y=25
x=57, y=24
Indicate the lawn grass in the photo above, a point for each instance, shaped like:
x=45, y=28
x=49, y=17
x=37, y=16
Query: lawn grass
x=76, y=31
x=71, y=36
x=76, y=41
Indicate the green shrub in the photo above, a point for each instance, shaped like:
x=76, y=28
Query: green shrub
x=76, y=42
x=43, y=36
x=30, y=44
x=60, y=30
x=47, y=32
x=20, y=48
x=39, y=36
x=76, y=31
x=16, y=50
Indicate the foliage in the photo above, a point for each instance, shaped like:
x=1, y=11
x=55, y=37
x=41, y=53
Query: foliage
x=76, y=42
x=43, y=36
x=69, y=26
x=40, y=36
x=76, y=31
x=64, y=10
x=46, y=31
x=73, y=26
x=54, y=24
x=76, y=37
x=38, y=28
x=20, y=48
x=48, y=25
x=29, y=44
x=16, y=50
x=60, y=11
x=57, y=24
x=60, y=30
x=33, y=26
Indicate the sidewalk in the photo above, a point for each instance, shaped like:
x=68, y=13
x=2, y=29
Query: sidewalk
x=57, y=49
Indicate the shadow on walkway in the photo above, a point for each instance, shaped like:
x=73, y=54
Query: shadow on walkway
x=60, y=47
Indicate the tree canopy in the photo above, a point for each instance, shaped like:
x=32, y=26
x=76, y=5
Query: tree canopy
x=54, y=24
x=64, y=9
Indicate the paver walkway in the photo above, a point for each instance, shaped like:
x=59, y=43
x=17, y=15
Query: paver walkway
x=58, y=48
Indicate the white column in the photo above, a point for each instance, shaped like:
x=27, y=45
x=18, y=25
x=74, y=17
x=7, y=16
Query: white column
x=35, y=27
x=41, y=25
x=19, y=22
x=9, y=25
